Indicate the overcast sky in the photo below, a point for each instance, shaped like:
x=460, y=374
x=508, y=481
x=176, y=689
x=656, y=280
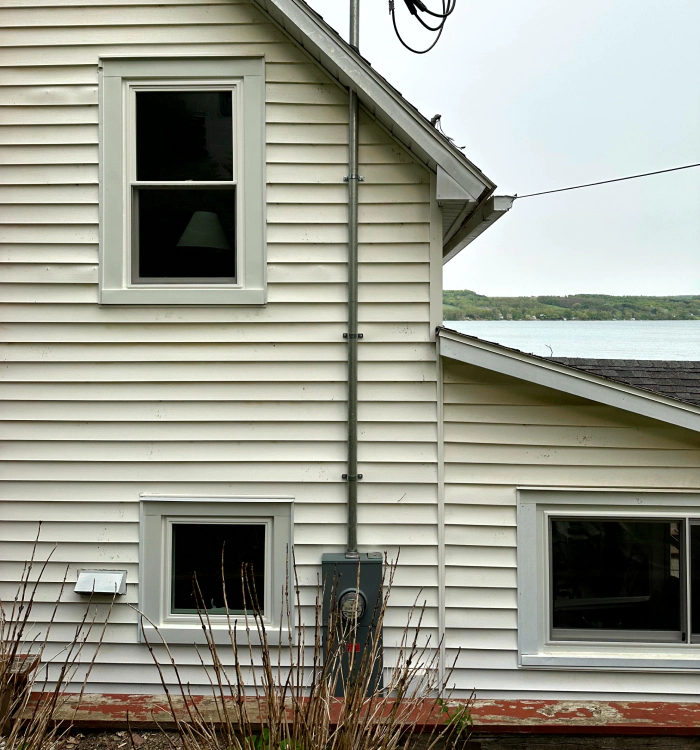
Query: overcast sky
x=552, y=93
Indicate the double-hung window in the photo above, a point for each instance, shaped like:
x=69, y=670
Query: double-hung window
x=182, y=181
x=609, y=579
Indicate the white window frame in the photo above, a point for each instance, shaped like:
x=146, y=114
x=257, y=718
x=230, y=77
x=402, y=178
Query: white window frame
x=159, y=513
x=536, y=648
x=120, y=78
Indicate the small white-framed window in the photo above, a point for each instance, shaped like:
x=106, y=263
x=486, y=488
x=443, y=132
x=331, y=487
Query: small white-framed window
x=182, y=196
x=608, y=579
x=193, y=552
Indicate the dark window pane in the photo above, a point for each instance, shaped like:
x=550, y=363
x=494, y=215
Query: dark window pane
x=695, y=578
x=184, y=135
x=197, y=548
x=185, y=234
x=616, y=575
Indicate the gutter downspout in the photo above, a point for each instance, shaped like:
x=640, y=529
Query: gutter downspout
x=352, y=335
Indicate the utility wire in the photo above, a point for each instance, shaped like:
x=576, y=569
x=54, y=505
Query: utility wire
x=606, y=182
x=415, y=7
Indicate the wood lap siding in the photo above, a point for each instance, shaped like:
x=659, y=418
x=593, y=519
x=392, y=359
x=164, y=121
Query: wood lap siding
x=99, y=405
x=501, y=433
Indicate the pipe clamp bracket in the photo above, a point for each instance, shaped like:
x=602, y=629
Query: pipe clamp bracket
x=353, y=335
x=352, y=477
x=357, y=177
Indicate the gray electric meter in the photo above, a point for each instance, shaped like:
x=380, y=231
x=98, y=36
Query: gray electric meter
x=342, y=594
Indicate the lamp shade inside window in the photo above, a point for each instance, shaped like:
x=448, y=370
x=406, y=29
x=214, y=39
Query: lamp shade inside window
x=188, y=234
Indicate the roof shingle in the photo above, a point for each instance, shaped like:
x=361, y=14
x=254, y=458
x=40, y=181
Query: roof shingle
x=679, y=380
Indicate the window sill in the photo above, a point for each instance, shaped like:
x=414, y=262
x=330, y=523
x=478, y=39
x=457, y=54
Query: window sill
x=179, y=296
x=192, y=633
x=637, y=661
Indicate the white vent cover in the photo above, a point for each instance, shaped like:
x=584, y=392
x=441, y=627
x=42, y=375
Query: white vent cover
x=101, y=582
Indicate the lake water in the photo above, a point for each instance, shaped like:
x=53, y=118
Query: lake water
x=601, y=339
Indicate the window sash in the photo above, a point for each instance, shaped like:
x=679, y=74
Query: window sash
x=170, y=521
x=233, y=86
x=618, y=635
x=184, y=281
x=132, y=184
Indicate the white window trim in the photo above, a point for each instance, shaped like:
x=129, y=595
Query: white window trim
x=159, y=512
x=536, y=650
x=119, y=78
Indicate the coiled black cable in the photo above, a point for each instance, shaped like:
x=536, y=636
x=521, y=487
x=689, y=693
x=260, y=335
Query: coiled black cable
x=415, y=7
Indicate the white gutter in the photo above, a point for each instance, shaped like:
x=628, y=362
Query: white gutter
x=469, y=350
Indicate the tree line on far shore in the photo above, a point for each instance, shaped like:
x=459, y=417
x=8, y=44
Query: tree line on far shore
x=467, y=305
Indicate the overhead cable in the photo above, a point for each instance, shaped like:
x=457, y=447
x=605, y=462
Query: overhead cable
x=606, y=182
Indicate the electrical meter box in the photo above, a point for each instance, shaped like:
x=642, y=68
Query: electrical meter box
x=343, y=602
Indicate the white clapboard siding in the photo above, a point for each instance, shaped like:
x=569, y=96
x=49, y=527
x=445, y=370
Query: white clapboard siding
x=501, y=433
x=102, y=405
x=371, y=313
x=187, y=372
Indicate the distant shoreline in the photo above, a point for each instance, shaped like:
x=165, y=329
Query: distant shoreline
x=465, y=305
x=597, y=339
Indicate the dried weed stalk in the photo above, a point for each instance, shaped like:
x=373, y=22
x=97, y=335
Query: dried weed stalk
x=32, y=688
x=279, y=694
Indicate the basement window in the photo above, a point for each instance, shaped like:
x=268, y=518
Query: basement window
x=609, y=579
x=182, y=181
x=211, y=558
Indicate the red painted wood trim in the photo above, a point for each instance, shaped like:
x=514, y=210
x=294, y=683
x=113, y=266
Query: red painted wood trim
x=587, y=717
x=103, y=710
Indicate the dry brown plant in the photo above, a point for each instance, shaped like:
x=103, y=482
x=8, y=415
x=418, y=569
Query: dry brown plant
x=279, y=694
x=33, y=686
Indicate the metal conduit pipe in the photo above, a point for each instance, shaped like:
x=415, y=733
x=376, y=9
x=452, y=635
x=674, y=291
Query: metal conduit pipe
x=353, y=336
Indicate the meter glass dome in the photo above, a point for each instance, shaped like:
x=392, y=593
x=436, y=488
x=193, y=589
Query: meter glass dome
x=352, y=604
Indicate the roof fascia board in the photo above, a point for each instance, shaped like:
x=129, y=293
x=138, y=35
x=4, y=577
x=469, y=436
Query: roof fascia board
x=565, y=379
x=310, y=31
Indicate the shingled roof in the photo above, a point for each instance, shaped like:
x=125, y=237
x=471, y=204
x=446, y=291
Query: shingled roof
x=674, y=379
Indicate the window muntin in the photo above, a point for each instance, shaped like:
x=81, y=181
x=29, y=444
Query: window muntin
x=208, y=550
x=616, y=579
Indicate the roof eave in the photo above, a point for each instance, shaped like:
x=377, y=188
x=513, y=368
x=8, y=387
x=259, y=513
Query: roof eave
x=486, y=214
x=345, y=64
x=469, y=350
